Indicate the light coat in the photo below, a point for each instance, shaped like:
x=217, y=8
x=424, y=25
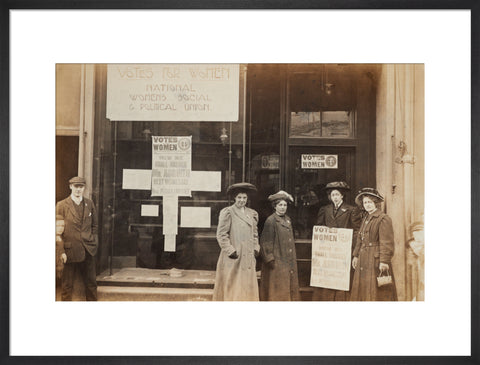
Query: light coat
x=236, y=279
x=277, y=243
x=375, y=244
x=80, y=234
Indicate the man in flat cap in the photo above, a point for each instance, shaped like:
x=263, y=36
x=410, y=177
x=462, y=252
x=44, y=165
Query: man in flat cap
x=80, y=240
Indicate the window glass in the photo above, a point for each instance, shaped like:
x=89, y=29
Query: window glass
x=336, y=124
x=305, y=124
x=216, y=147
x=320, y=105
x=263, y=144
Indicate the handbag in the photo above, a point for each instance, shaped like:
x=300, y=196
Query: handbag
x=384, y=280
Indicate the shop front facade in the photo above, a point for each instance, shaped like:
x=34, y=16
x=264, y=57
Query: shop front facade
x=295, y=127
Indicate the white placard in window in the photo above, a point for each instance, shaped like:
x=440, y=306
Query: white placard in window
x=206, y=180
x=149, y=210
x=195, y=217
x=170, y=215
x=137, y=179
x=319, y=161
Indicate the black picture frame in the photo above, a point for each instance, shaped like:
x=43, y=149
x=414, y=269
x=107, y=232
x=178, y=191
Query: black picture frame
x=5, y=183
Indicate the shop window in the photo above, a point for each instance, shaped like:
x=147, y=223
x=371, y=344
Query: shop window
x=327, y=124
x=321, y=104
x=216, y=147
x=263, y=144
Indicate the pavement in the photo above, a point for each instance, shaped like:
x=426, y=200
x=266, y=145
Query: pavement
x=139, y=284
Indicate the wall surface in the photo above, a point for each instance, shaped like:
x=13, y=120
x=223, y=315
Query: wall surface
x=67, y=99
x=400, y=157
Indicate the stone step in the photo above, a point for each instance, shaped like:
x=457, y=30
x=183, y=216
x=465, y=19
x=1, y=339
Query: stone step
x=127, y=293
x=140, y=284
x=173, y=278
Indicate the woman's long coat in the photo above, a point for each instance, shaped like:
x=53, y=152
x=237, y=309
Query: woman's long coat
x=346, y=216
x=236, y=279
x=375, y=244
x=277, y=243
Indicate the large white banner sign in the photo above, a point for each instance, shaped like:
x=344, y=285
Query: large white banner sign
x=331, y=257
x=173, y=92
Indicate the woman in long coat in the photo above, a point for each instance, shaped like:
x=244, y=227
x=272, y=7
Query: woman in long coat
x=338, y=214
x=237, y=235
x=279, y=280
x=373, y=251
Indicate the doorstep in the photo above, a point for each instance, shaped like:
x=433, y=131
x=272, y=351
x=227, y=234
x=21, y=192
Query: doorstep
x=142, y=294
x=140, y=284
x=173, y=278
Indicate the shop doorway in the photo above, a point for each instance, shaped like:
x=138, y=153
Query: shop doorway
x=310, y=169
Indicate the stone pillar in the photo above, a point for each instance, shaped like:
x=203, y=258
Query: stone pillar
x=400, y=141
x=87, y=114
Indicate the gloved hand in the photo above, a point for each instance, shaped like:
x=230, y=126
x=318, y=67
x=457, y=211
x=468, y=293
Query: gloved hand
x=383, y=267
x=233, y=255
x=271, y=264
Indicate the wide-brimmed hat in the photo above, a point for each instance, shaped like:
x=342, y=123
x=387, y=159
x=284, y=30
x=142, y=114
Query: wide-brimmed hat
x=77, y=180
x=281, y=195
x=367, y=191
x=341, y=186
x=416, y=226
x=243, y=187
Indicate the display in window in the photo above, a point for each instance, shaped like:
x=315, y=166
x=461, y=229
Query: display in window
x=305, y=124
x=322, y=124
x=336, y=124
x=206, y=180
x=137, y=179
x=171, y=165
x=195, y=217
x=171, y=161
x=271, y=162
x=149, y=210
x=319, y=161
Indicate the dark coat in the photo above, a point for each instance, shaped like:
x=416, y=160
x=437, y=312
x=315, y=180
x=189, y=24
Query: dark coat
x=375, y=244
x=80, y=234
x=277, y=243
x=347, y=216
x=59, y=250
x=236, y=279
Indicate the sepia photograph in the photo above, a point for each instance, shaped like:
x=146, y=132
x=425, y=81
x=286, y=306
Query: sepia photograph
x=240, y=182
